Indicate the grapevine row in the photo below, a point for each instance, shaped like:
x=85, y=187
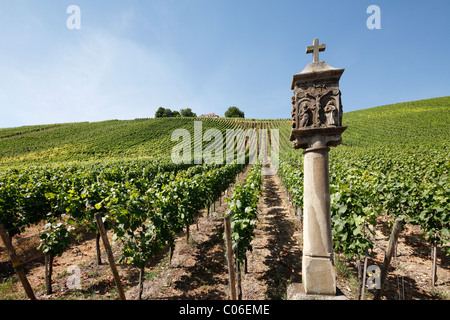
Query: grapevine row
x=242, y=208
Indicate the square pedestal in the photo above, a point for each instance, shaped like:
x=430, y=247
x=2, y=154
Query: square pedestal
x=296, y=291
x=318, y=276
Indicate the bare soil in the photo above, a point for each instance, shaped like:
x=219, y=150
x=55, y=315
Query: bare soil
x=198, y=269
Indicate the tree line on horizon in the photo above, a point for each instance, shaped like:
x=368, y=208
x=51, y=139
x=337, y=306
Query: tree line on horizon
x=232, y=112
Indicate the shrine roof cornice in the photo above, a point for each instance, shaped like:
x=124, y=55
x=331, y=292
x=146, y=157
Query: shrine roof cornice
x=317, y=71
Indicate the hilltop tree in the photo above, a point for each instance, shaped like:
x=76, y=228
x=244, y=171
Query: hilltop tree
x=187, y=113
x=163, y=113
x=234, y=112
x=160, y=112
x=167, y=113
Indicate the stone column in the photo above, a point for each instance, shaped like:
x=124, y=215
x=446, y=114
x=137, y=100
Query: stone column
x=318, y=275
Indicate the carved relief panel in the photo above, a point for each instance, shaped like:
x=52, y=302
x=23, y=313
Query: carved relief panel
x=316, y=105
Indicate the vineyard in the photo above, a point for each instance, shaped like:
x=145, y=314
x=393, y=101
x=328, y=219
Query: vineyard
x=165, y=219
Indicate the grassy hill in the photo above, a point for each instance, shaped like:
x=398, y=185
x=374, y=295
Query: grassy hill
x=417, y=123
x=91, y=141
x=409, y=123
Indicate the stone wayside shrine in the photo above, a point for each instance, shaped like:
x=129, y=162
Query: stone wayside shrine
x=316, y=126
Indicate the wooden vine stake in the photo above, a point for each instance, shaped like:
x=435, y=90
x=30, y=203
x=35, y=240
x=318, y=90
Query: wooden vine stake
x=434, y=257
x=388, y=256
x=230, y=259
x=112, y=263
x=364, y=278
x=16, y=263
x=238, y=274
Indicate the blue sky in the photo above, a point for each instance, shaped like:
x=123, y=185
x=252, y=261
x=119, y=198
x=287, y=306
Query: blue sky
x=131, y=57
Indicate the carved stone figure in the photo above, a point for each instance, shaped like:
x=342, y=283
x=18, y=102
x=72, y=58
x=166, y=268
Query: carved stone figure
x=305, y=114
x=331, y=114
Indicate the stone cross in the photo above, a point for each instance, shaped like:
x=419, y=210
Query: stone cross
x=315, y=49
x=316, y=126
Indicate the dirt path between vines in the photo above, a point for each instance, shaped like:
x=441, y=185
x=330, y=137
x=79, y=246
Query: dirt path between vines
x=199, y=269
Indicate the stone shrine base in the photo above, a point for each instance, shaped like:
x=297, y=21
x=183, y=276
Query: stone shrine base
x=295, y=291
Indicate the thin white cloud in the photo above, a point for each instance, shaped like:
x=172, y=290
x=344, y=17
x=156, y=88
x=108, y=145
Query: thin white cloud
x=99, y=77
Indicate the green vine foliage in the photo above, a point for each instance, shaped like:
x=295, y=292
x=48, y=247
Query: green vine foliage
x=242, y=208
x=365, y=182
x=147, y=214
x=55, y=238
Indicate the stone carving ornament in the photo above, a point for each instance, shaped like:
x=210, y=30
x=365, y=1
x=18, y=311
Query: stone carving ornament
x=316, y=108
